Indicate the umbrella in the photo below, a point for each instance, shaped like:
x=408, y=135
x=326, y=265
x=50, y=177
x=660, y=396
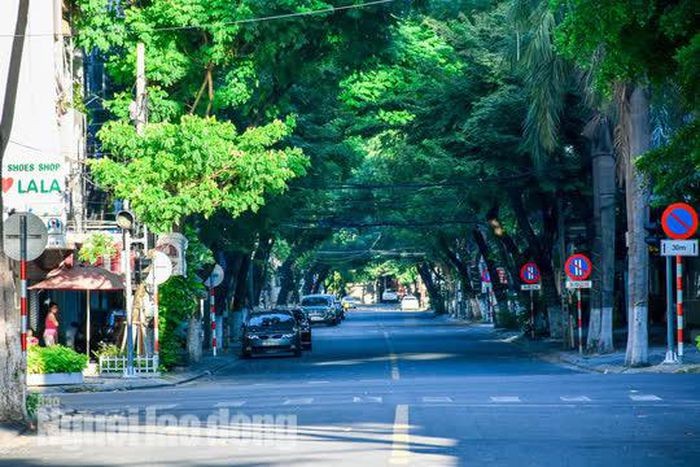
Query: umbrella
x=85, y=278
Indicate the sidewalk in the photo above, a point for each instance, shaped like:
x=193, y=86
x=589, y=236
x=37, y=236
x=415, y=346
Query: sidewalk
x=551, y=351
x=209, y=365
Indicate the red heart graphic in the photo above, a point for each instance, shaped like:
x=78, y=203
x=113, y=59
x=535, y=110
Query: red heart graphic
x=7, y=184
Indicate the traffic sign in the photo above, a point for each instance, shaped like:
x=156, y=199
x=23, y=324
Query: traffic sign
x=37, y=236
x=216, y=277
x=530, y=286
x=485, y=276
x=161, y=268
x=578, y=267
x=679, y=248
x=579, y=284
x=679, y=221
x=530, y=273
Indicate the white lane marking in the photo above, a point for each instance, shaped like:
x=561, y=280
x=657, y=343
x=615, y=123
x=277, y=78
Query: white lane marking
x=575, y=399
x=299, y=401
x=163, y=406
x=644, y=397
x=318, y=382
x=505, y=399
x=393, y=359
x=401, y=438
x=434, y=399
x=372, y=399
x=230, y=404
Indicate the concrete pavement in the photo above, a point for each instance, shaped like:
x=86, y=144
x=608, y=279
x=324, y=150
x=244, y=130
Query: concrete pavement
x=392, y=388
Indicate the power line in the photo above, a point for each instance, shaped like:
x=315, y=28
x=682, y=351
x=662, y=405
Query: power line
x=321, y=11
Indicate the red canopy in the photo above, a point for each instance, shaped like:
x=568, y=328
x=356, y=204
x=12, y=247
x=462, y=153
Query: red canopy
x=81, y=278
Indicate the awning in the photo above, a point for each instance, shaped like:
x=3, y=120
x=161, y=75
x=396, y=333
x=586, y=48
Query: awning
x=80, y=278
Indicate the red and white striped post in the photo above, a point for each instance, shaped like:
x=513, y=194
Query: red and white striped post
x=580, y=321
x=156, y=339
x=212, y=314
x=679, y=303
x=23, y=280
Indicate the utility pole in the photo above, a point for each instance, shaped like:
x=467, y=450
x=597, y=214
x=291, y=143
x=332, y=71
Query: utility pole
x=139, y=115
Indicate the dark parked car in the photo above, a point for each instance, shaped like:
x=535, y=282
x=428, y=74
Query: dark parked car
x=321, y=309
x=271, y=331
x=304, y=328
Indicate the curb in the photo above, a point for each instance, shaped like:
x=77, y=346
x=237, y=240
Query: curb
x=178, y=382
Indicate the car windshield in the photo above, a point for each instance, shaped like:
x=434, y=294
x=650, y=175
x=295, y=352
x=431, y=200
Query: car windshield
x=271, y=320
x=315, y=301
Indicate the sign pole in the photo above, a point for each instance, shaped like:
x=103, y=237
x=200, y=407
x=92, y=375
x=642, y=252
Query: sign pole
x=156, y=340
x=128, y=303
x=679, y=304
x=532, y=314
x=580, y=321
x=670, y=351
x=212, y=316
x=23, y=280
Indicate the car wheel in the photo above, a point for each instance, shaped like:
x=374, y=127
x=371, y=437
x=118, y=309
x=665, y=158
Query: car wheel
x=246, y=354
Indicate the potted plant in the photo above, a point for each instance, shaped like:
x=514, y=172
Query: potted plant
x=55, y=365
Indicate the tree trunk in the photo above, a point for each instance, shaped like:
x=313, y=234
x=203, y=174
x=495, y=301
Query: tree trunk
x=287, y=283
x=240, y=295
x=436, y=298
x=600, y=323
x=260, y=261
x=500, y=290
x=323, y=272
x=543, y=258
x=12, y=365
x=637, y=191
x=194, y=339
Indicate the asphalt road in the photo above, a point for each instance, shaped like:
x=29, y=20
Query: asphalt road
x=389, y=388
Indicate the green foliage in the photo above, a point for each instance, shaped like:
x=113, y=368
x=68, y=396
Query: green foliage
x=107, y=350
x=197, y=166
x=55, y=359
x=96, y=247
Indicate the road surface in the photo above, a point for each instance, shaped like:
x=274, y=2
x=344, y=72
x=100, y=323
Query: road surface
x=391, y=388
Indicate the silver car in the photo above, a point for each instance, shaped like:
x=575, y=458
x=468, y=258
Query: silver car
x=271, y=331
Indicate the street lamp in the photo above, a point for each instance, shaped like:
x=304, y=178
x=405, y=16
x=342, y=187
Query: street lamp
x=125, y=221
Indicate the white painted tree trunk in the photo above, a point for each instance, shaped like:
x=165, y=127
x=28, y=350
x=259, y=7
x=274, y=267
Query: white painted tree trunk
x=12, y=366
x=638, y=134
x=194, y=340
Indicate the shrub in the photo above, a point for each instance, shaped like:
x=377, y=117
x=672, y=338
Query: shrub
x=55, y=359
x=107, y=350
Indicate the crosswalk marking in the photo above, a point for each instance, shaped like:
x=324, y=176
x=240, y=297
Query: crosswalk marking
x=575, y=399
x=644, y=397
x=163, y=406
x=230, y=404
x=505, y=399
x=372, y=399
x=434, y=399
x=299, y=401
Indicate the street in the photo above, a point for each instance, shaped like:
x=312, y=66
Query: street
x=389, y=387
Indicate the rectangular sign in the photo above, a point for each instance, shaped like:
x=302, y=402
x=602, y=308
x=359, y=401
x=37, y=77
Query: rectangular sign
x=530, y=286
x=679, y=248
x=579, y=284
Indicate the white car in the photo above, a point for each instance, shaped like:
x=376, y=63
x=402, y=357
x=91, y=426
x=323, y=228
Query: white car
x=390, y=296
x=409, y=302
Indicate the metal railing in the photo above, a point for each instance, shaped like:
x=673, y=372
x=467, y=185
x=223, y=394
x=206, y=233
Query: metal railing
x=115, y=366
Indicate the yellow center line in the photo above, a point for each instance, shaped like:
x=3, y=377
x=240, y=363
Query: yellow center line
x=401, y=438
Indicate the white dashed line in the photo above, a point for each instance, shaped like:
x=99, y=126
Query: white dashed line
x=318, y=382
x=163, y=406
x=644, y=397
x=575, y=399
x=436, y=399
x=371, y=399
x=230, y=404
x=505, y=399
x=299, y=401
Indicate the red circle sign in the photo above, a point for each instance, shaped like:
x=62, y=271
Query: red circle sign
x=679, y=221
x=578, y=267
x=530, y=273
x=485, y=276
